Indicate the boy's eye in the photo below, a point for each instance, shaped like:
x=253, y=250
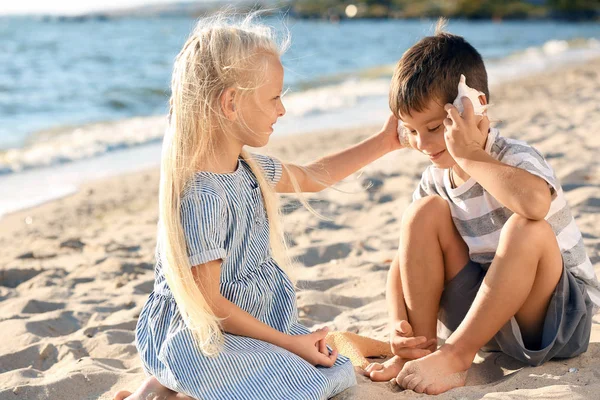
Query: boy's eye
x=435, y=129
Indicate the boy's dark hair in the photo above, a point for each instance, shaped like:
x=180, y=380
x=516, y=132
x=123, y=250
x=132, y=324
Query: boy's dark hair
x=431, y=69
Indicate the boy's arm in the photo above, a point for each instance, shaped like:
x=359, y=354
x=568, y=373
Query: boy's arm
x=520, y=191
x=330, y=169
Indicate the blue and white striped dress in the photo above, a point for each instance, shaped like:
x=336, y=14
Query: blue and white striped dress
x=224, y=217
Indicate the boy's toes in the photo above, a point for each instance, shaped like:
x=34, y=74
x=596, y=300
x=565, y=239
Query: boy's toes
x=434, y=389
x=382, y=374
x=370, y=368
x=412, y=381
x=374, y=367
x=404, y=379
x=421, y=387
x=400, y=377
x=121, y=395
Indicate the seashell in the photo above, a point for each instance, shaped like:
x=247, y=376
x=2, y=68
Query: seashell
x=403, y=135
x=472, y=94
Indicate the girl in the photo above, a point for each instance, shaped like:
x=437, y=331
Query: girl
x=221, y=322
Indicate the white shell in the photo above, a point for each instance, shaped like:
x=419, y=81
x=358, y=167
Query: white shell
x=402, y=135
x=472, y=94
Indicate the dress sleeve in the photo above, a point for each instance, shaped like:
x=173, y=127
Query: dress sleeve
x=270, y=166
x=204, y=221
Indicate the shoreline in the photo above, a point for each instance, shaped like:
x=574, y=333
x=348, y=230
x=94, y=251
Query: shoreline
x=343, y=98
x=73, y=281
x=156, y=124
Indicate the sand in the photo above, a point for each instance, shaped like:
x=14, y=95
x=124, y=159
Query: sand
x=75, y=272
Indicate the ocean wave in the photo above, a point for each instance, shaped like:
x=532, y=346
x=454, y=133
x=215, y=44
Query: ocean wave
x=343, y=96
x=334, y=97
x=553, y=53
x=68, y=144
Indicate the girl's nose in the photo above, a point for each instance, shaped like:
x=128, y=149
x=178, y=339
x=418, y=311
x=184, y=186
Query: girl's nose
x=281, y=111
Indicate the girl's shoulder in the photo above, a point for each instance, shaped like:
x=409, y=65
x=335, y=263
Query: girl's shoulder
x=204, y=186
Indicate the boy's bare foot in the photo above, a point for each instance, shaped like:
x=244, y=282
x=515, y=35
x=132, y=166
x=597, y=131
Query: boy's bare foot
x=379, y=372
x=151, y=389
x=436, y=373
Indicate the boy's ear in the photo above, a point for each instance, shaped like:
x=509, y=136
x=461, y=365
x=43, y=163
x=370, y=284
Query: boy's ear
x=227, y=101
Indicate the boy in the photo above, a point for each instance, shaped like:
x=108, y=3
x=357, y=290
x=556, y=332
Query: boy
x=488, y=246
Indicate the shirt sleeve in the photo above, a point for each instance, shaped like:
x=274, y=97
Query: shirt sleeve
x=426, y=186
x=204, y=221
x=523, y=156
x=270, y=166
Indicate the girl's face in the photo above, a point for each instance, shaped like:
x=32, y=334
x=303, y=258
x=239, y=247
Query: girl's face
x=260, y=109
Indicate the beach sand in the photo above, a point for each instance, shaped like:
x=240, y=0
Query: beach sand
x=75, y=272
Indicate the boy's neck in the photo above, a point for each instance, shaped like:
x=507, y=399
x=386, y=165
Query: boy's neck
x=458, y=176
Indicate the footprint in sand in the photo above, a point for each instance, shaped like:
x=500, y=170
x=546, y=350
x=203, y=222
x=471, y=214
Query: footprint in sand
x=126, y=326
x=114, y=247
x=38, y=356
x=144, y=287
x=313, y=298
x=40, y=307
x=119, y=337
x=64, y=323
x=322, y=254
x=13, y=277
x=75, y=244
x=319, y=285
x=320, y=312
x=290, y=206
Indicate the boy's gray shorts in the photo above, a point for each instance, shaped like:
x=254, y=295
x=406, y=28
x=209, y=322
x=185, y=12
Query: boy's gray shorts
x=567, y=326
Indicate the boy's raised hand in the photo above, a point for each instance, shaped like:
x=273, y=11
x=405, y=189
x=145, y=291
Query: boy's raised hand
x=405, y=345
x=467, y=134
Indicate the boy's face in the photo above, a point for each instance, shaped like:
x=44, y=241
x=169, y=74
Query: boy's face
x=425, y=132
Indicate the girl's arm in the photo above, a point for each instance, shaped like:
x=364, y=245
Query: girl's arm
x=335, y=167
x=238, y=322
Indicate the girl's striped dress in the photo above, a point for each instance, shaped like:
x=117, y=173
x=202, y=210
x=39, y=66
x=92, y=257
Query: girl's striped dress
x=223, y=217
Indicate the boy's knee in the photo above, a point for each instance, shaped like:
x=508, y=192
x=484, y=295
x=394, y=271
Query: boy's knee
x=425, y=212
x=518, y=226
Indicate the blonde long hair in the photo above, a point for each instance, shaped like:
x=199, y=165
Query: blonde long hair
x=216, y=56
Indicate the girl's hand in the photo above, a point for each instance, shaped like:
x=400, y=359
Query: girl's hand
x=312, y=348
x=389, y=133
x=405, y=345
x=464, y=135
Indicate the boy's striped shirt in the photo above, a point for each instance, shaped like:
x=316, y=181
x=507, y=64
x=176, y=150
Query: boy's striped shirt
x=479, y=217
